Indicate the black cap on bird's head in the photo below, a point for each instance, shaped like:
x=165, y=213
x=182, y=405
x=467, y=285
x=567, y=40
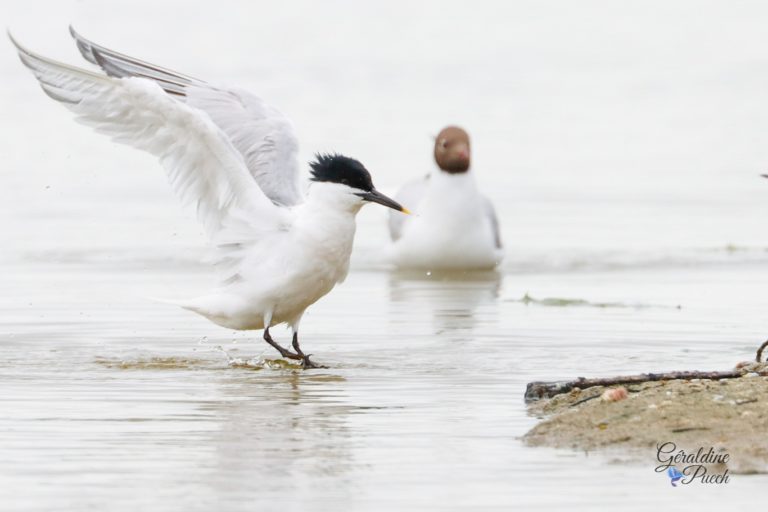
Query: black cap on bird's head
x=341, y=169
x=335, y=168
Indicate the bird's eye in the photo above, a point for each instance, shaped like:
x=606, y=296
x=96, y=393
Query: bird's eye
x=444, y=144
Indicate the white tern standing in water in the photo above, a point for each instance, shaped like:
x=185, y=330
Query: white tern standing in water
x=234, y=158
x=454, y=226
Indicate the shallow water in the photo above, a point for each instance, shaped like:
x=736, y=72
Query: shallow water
x=630, y=206
x=124, y=401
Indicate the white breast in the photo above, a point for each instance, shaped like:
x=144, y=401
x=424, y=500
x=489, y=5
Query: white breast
x=312, y=260
x=451, y=228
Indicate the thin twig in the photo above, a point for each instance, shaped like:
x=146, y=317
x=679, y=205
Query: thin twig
x=759, y=356
x=540, y=389
x=579, y=402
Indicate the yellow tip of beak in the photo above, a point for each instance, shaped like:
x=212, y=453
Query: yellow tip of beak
x=406, y=211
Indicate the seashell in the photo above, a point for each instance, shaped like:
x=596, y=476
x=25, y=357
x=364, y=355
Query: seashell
x=614, y=394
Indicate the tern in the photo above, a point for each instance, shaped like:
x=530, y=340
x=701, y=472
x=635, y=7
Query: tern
x=235, y=158
x=454, y=226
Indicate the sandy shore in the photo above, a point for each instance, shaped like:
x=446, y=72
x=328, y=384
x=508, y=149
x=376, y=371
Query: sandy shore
x=729, y=415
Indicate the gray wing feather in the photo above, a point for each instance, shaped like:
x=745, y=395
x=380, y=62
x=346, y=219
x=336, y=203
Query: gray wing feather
x=202, y=165
x=260, y=133
x=491, y=212
x=120, y=66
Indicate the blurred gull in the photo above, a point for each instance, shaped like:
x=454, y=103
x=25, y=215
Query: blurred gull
x=234, y=158
x=454, y=226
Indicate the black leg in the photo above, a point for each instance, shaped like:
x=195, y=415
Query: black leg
x=283, y=352
x=306, y=363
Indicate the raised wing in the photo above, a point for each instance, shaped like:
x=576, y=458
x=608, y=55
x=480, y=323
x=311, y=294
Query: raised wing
x=410, y=195
x=264, y=136
x=202, y=165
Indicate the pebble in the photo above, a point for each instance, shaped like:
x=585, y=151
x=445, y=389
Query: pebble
x=614, y=395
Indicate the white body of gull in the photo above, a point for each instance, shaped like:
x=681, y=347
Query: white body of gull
x=454, y=226
x=234, y=158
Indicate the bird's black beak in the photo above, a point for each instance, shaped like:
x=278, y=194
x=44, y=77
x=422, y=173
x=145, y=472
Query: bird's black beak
x=375, y=196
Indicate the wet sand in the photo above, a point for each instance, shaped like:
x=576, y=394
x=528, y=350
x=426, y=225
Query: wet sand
x=729, y=415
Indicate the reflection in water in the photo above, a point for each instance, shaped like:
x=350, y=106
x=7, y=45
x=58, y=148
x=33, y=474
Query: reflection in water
x=277, y=425
x=451, y=299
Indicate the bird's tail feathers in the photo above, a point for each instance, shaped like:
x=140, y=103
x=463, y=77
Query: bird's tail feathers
x=193, y=305
x=182, y=303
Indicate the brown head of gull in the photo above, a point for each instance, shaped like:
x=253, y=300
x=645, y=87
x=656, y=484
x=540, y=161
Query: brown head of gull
x=454, y=226
x=452, y=150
